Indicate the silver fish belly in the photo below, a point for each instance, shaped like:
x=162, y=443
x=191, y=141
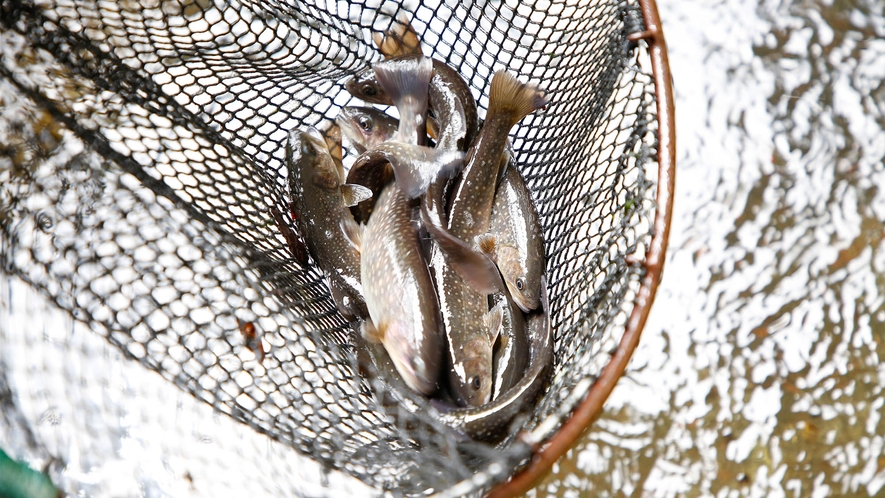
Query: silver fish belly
x=518, y=245
x=399, y=293
x=511, y=353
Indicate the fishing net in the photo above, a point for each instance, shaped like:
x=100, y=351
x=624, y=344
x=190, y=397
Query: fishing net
x=141, y=157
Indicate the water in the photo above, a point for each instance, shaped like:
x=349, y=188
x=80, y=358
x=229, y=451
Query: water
x=760, y=372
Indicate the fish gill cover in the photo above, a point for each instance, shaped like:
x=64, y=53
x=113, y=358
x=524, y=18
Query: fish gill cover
x=142, y=160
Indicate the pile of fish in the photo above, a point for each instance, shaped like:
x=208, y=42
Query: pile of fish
x=433, y=243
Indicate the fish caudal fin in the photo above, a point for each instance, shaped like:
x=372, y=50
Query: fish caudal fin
x=399, y=39
x=416, y=166
x=512, y=99
x=406, y=81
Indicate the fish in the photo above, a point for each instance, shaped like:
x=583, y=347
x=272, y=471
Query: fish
x=320, y=202
x=449, y=97
x=399, y=293
x=400, y=297
x=510, y=354
x=491, y=422
x=415, y=166
x=514, y=240
x=468, y=322
x=366, y=127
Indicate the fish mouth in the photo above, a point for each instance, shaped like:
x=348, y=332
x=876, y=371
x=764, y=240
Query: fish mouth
x=526, y=303
x=315, y=137
x=348, y=128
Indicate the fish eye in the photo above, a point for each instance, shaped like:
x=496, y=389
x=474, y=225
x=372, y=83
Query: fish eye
x=475, y=383
x=365, y=123
x=520, y=283
x=305, y=149
x=369, y=91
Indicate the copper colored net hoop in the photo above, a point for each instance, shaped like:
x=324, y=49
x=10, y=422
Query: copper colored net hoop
x=591, y=407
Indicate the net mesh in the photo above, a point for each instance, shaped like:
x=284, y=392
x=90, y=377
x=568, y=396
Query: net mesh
x=141, y=154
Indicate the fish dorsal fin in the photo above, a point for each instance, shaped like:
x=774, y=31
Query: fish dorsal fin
x=354, y=194
x=353, y=232
x=494, y=320
x=371, y=333
x=472, y=266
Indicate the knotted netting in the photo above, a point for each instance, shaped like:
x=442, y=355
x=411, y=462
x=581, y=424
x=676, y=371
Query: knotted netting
x=143, y=159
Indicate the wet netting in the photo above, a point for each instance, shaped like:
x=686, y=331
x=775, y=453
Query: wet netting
x=141, y=162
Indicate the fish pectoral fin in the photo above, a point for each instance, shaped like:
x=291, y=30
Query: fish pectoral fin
x=494, y=321
x=417, y=166
x=354, y=194
x=488, y=244
x=371, y=333
x=474, y=267
x=353, y=232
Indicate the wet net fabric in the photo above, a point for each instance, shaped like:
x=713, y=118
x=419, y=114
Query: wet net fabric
x=141, y=156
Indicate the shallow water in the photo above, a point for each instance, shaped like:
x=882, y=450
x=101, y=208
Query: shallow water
x=760, y=371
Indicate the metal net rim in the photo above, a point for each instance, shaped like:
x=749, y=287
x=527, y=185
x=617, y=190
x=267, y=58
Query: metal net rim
x=547, y=450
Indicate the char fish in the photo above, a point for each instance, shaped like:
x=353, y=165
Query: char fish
x=449, y=98
x=399, y=39
x=491, y=422
x=415, y=166
x=399, y=293
x=514, y=240
x=468, y=323
x=366, y=127
x=320, y=203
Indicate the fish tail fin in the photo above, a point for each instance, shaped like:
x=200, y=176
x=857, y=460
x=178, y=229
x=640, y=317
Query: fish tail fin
x=417, y=166
x=399, y=39
x=405, y=81
x=513, y=99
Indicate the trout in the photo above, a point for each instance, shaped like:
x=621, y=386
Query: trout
x=320, y=203
x=470, y=327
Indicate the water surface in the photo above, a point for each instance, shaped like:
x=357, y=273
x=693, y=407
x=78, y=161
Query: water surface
x=760, y=372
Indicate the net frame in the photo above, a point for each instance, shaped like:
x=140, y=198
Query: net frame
x=589, y=410
x=652, y=266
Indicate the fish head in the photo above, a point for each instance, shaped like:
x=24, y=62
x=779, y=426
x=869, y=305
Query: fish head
x=366, y=127
x=309, y=160
x=364, y=85
x=522, y=277
x=418, y=373
x=475, y=382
